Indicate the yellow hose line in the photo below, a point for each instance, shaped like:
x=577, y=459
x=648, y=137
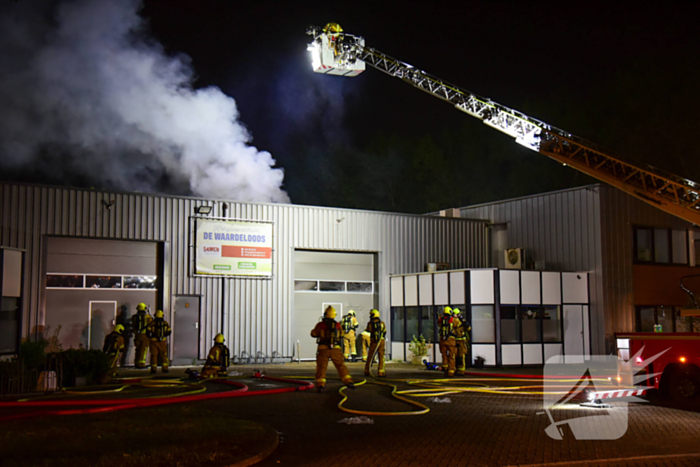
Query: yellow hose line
x=394, y=394
x=104, y=391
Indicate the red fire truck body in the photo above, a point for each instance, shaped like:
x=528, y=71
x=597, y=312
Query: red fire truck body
x=666, y=361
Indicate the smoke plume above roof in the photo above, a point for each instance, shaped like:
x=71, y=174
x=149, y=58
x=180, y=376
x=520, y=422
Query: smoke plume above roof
x=84, y=90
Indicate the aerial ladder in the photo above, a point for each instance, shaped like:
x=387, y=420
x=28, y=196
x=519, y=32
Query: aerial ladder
x=337, y=53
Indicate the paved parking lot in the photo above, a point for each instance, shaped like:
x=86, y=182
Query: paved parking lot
x=474, y=429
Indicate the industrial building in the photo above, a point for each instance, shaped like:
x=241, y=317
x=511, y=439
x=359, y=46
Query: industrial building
x=87, y=257
x=591, y=261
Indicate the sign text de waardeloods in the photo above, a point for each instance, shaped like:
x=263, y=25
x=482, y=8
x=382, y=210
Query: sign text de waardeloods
x=235, y=248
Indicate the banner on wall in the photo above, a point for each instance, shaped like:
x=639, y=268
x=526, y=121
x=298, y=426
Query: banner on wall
x=233, y=248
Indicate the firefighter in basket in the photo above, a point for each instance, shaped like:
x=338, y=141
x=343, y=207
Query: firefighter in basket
x=328, y=334
x=377, y=333
x=217, y=360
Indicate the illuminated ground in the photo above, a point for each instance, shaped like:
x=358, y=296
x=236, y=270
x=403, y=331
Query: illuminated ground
x=474, y=428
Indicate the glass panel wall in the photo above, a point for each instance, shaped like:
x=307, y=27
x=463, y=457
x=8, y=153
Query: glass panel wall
x=427, y=323
x=530, y=323
x=510, y=325
x=551, y=323
x=398, y=324
x=412, y=320
x=483, y=324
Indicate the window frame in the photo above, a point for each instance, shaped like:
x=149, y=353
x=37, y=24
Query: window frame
x=652, y=240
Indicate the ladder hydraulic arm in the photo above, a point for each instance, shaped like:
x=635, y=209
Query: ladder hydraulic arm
x=335, y=52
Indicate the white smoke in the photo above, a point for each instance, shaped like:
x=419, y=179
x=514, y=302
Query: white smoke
x=82, y=80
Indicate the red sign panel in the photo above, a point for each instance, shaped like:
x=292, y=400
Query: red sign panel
x=232, y=251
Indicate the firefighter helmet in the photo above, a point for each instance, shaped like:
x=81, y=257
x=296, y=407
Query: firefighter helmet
x=374, y=313
x=159, y=314
x=219, y=339
x=141, y=307
x=448, y=310
x=119, y=329
x=455, y=311
x=329, y=312
x=351, y=313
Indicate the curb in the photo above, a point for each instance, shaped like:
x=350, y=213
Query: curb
x=266, y=452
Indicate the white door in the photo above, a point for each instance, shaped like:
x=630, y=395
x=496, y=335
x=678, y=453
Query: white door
x=573, y=334
x=102, y=316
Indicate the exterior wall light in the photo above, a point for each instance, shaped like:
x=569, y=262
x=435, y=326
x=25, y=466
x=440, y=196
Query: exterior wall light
x=202, y=209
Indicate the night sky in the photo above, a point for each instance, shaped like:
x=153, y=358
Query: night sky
x=621, y=74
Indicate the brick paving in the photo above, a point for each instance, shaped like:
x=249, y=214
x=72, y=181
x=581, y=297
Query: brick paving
x=474, y=429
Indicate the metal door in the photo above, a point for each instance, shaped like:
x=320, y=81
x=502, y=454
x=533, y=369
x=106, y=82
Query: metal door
x=102, y=316
x=573, y=334
x=185, y=326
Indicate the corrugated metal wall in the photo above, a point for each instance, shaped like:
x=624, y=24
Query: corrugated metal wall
x=257, y=313
x=562, y=228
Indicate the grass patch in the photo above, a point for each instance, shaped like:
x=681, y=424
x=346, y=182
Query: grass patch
x=179, y=435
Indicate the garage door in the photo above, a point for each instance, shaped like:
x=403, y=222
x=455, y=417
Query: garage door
x=93, y=284
x=345, y=280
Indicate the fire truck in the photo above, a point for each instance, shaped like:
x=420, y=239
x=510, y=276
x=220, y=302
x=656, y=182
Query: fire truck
x=667, y=361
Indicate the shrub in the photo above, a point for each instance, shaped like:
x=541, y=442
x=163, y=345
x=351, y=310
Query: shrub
x=77, y=363
x=418, y=346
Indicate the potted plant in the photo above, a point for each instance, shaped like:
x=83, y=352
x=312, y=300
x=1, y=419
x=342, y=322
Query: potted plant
x=419, y=349
x=479, y=361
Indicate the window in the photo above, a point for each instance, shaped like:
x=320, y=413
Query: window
x=310, y=285
x=103, y=282
x=643, y=241
x=483, y=324
x=551, y=323
x=65, y=281
x=305, y=286
x=412, y=315
x=510, y=325
x=398, y=322
x=647, y=317
x=679, y=240
x=530, y=323
x=359, y=287
x=660, y=246
x=427, y=323
x=139, y=282
x=331, y=286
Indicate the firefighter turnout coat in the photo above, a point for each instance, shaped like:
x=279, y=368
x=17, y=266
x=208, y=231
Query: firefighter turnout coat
x=328, y=334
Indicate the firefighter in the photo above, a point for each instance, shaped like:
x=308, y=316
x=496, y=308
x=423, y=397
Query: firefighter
x=349, y=325
x=158, y=332
x=448, y=342
x=139, y=324
x=365, y=344
x=328, y=334
x=217, y=360
x=377, y=333
x=461, y=330
x=114, y=346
